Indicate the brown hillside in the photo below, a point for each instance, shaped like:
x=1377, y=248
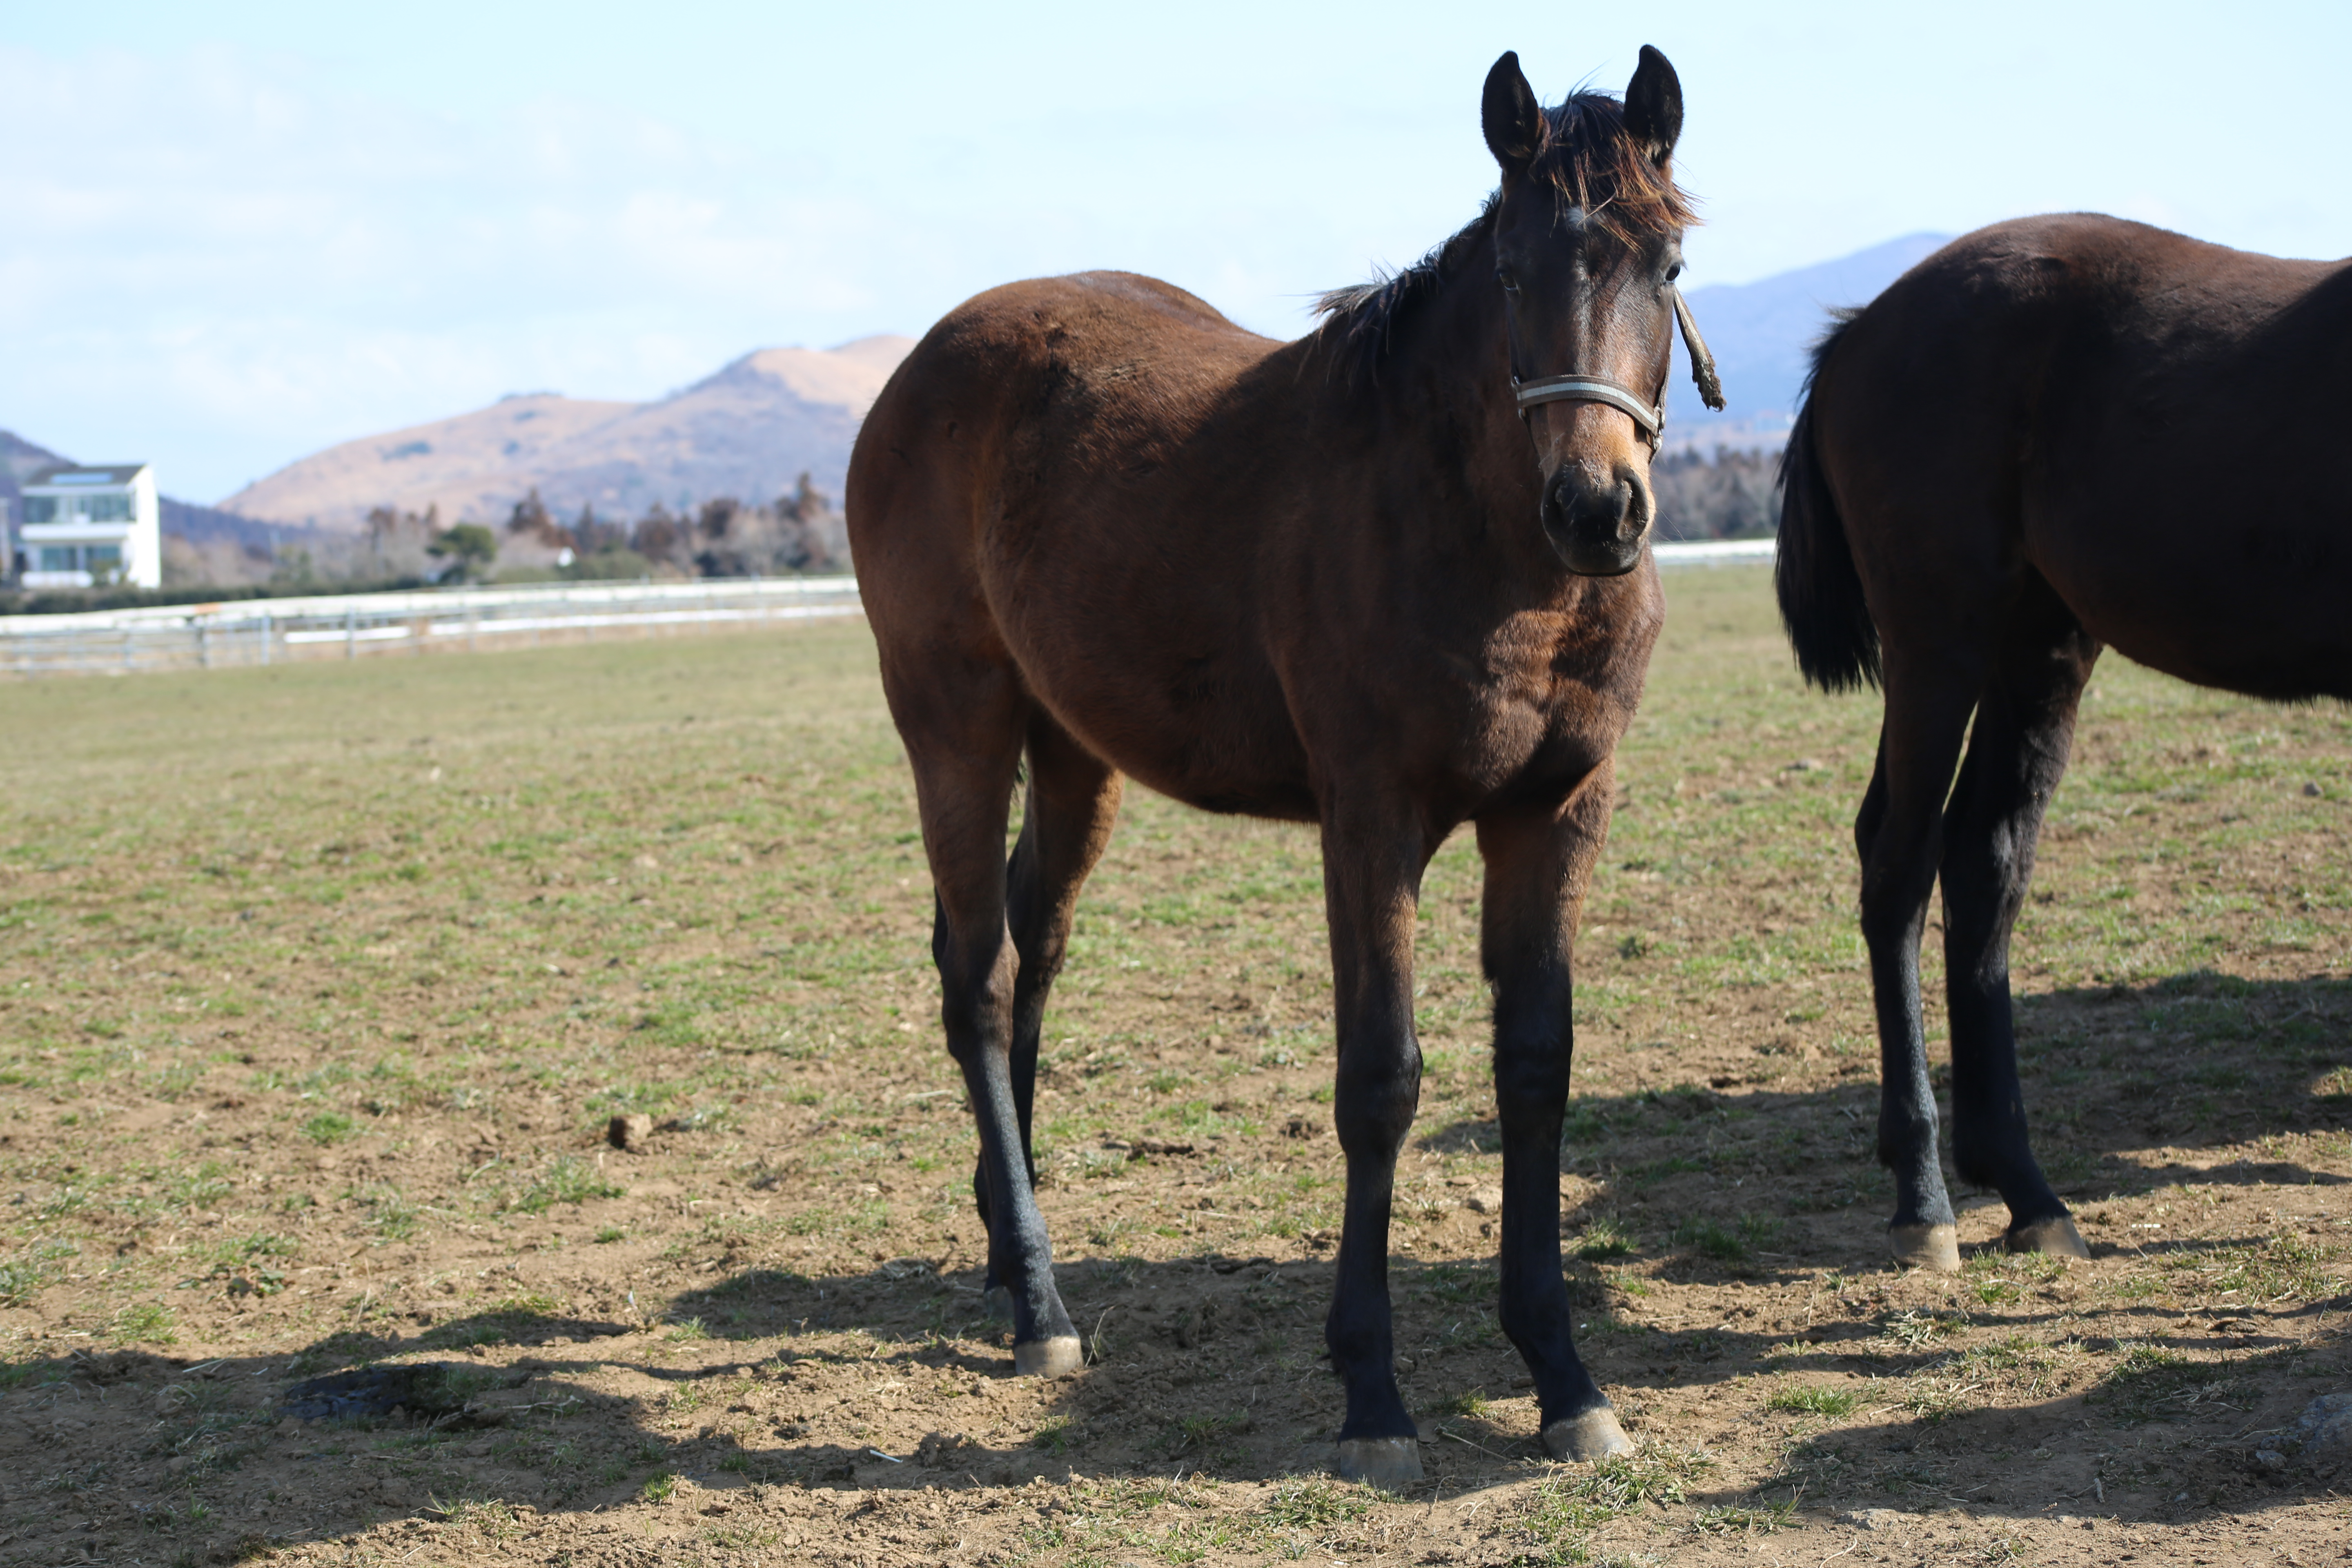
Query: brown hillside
x=748, y=431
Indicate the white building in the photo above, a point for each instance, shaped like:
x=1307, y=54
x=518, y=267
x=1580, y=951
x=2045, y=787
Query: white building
x=85, y=526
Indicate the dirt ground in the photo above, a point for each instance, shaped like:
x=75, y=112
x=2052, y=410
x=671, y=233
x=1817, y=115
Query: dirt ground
x=320, y=988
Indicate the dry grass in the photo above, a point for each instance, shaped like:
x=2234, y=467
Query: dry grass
x=321, y=982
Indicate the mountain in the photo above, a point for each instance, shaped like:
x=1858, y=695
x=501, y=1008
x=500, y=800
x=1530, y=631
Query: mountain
x=749, y=431
x=1762, y=335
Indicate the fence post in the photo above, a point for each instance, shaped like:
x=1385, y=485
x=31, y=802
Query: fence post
x=130, y=661
x=350, y=631
x=204, y=645
x=265, y=636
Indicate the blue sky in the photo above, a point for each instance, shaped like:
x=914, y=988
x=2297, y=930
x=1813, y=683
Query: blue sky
x=232, y=234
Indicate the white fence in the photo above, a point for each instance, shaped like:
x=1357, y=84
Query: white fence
x=350, y=626
x=1716, y=552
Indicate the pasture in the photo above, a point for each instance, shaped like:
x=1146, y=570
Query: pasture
x=319, y=985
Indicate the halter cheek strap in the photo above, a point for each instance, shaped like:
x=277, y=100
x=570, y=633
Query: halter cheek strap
x=1649, y=417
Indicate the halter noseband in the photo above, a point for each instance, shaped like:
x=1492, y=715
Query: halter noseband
x=1649, y=417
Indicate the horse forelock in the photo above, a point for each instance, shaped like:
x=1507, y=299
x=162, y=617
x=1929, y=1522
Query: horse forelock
x=1591, y=160
x=1588, y=160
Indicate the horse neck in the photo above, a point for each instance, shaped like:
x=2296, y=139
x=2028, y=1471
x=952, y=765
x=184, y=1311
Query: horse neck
x=1441, y=422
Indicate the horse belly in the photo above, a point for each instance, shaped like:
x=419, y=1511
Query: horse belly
x=1150, y=671
x=2243, y=602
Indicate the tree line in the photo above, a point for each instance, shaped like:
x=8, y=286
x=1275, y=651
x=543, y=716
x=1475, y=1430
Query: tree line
x=1730, y=495
x=800, y=531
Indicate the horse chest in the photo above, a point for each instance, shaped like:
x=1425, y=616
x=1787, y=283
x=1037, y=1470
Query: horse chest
x=1511, y=726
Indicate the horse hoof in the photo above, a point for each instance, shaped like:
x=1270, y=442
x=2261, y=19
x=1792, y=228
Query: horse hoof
x=1057, y=1357
x=1581, y=1439
x=1389, y=1463
x=1936, y=1246
x=997, y=1303
x=2055, y=1235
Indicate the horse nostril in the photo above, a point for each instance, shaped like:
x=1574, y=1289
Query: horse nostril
x=1641, y=507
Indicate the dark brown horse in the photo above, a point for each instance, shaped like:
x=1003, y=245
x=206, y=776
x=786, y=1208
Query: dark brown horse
x=2050, y=436
x=1390, y=578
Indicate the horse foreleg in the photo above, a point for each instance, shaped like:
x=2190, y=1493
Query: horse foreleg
x=1899, y=835
x=1538, y=863
x=2017, y=754
x=1371, y=874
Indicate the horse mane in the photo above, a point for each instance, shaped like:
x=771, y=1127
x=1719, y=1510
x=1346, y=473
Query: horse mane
x=1589, y=161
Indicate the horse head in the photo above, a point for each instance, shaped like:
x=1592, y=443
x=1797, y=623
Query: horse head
x=1587, y=243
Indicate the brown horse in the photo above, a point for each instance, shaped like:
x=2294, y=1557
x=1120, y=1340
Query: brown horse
x=2051, y=435
x=1390, y=578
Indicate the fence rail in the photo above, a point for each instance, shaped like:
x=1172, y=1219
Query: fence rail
x=356, y=625
x=353, y=626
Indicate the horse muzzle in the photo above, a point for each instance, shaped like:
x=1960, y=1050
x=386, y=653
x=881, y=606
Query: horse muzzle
x=1597, y=523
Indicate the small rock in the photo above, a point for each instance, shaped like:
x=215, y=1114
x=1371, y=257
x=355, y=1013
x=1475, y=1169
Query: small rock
x=1484, y=1200
x=2269, y=1460
x=1143, y=1146
x=2327, y=1423
x=1302, y=1127
x=2311, y=789
x=1872, y=1519
x=630, y=1134
x=944, y=1448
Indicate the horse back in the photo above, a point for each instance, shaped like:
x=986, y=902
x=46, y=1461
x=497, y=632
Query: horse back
x=2140, y=418
x=1040, y=485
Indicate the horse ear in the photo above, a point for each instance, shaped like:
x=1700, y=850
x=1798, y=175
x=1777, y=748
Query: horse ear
x=1653, y=105
x=1513, y=123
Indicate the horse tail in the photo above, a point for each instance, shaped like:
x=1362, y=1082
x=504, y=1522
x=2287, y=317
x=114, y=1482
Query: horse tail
x=1821, y=604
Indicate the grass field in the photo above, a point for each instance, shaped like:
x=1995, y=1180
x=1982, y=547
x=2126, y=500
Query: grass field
x=318, y=985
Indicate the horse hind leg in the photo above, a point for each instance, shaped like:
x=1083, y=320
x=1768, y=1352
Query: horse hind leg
x=1899, y=835
x=1072, y=803
x=2017, y=754
x=964, y=728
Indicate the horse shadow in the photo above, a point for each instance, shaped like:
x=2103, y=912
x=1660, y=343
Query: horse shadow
x=880, y=1379
x=2124, y=1086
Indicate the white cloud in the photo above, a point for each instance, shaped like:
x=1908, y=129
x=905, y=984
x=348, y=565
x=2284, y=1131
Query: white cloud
x=217, y=263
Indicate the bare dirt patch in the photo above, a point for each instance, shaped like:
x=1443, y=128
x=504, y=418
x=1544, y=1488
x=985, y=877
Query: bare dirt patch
x=323, y=987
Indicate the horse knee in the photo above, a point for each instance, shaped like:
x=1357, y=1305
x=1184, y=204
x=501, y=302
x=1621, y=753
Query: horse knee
x=1371, y=1112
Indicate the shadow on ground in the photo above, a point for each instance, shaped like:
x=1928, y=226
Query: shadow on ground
x=1737, y=1201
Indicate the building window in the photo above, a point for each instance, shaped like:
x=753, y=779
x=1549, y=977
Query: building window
x=102, y=557
x=107, y=508
x=41, y=508
x=60, y=558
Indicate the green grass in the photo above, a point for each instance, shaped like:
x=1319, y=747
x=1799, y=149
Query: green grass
x=1603, y=1239
x=1573, y=1500
x=328, y=1127
x=1814, y=1401
x=146, y=1322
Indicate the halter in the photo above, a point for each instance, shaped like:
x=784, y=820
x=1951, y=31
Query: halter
x=1649, y=417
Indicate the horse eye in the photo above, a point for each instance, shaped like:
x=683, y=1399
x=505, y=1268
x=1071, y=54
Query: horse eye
x=1508, y=278
x=1674, y=272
